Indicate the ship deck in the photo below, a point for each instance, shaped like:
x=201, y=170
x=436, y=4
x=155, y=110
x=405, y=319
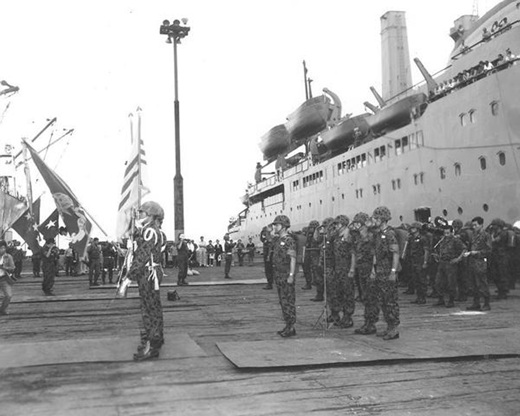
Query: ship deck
x=202, y=381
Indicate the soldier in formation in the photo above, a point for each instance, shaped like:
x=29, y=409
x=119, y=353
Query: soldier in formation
x=266, y=238
x=284, y=270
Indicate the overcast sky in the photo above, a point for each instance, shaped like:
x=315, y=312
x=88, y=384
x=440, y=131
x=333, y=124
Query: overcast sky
x=91, y=63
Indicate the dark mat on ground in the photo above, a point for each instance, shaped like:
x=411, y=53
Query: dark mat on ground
x=177, y=345
x=353, y=349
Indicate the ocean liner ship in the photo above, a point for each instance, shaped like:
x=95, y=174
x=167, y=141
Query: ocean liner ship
x=448, y=146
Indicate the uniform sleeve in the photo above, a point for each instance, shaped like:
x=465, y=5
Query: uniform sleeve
x=142, y=255
x=392, y=242
x=291, y=246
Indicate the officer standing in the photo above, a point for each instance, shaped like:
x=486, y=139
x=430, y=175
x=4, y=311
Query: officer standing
x=94, y=262
x=451, y=250
x=284, y=268
x=147, y=271
x=386, y=260
x=228, y=253
x=418, y=255
x=182, y=260
x=480, y=249
x=266, y=239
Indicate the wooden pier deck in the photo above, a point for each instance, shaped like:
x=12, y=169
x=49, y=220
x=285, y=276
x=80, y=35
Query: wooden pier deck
x=206, y=383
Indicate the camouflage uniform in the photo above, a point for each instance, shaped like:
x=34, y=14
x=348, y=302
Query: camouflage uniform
x=417, y=245
x=449, y=248
x=464, y=277
x=308, y=270
x=477, y=263
x=343, y=296
x=326, y=264
x=364, y=248
x=383, y=293
x=147, y=271
x=283, y=249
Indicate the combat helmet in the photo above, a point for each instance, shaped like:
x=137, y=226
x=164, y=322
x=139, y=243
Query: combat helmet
x=327, y=222
x=457, y=223
x=152, y=209
x=342, y=220
x=283, y=220
x=383, y=213
x=497, y=222
x=417, y=225
x=314, y=224
x=361, y=217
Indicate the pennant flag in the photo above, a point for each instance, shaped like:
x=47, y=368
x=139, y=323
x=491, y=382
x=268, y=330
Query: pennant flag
x=27, y=227
x=11, y=209
x=69, y=208
x=49, y=228
x=135, y=174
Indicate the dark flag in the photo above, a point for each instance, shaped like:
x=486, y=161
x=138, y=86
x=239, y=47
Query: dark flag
x=49, y=228
x=10, y=210
x=69, y=208
x=27, y=227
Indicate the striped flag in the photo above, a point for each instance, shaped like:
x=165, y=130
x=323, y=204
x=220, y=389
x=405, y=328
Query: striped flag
x=133, y=189
x=27, y=227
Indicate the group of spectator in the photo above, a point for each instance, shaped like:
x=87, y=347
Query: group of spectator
x=463, y=78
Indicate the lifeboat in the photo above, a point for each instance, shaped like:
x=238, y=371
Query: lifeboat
x=398, y=114
x=310, y=118
x=345, y=132
x=276, y=141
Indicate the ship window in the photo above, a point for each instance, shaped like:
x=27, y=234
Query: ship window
x=502, y=158
x=460, y=210
x=376, y=154
x=494, y=108
x=378, y=188
x=472, y=116
x=404, y=143
x=393, y=184
x=463, y=119
x=485, y=207
x=415, y=179
x=442, y=172
x=445, y=212
x=363, y=160
x=358, y=162
x=333, y=199
x=357, y=193
x=342, y=196
x=321, y=202
x=398, y=183
x=421, y=176
x=383, y=151
x=361, y=192
x=413, y=141
x=420, y=138
x=374, y=188
x=482, y=162
x=397, y=147
x=458, y=169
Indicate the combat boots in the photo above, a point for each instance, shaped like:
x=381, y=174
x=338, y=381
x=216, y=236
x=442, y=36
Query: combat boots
x=269, y=286
x=419, y=301
x=486, y=306
x=450, y=303
x=367, y=329
x=319, y=294
x=289, y=331
x=346, y=322
x=308, y=286
x=391, y=333
x=146, y=352
x=333, y=318
x=440, y=302
x=475, y=306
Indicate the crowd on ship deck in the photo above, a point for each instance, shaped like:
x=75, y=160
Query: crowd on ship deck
x=470, y=75
x=366, y=260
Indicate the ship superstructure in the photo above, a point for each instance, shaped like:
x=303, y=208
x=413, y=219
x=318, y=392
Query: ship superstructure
x=449, y=146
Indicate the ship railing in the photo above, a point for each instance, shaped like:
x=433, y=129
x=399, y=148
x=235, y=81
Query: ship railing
x=302, y=166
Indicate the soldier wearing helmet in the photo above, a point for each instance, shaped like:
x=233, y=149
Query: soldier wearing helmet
x=147, y=271
x=384, y=274
x=284, y=269
x=325, y=257
x=310, y=254
x=340, y=286
x=418, y=254
x=464, y=232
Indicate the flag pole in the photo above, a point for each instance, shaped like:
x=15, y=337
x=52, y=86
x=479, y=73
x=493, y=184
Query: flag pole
x=139, y=156
x=27, y=177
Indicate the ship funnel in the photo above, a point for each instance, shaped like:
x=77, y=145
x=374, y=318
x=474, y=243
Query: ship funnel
x=395, y=57
x=428, y=78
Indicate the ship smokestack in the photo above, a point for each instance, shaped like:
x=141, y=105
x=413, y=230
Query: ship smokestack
x=395, y=57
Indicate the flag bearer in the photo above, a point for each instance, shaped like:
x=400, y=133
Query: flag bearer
x=147, y=271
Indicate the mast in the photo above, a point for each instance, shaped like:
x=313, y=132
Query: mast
x=305, y=81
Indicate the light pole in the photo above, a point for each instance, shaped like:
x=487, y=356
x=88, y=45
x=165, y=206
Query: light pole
x=175, y=33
